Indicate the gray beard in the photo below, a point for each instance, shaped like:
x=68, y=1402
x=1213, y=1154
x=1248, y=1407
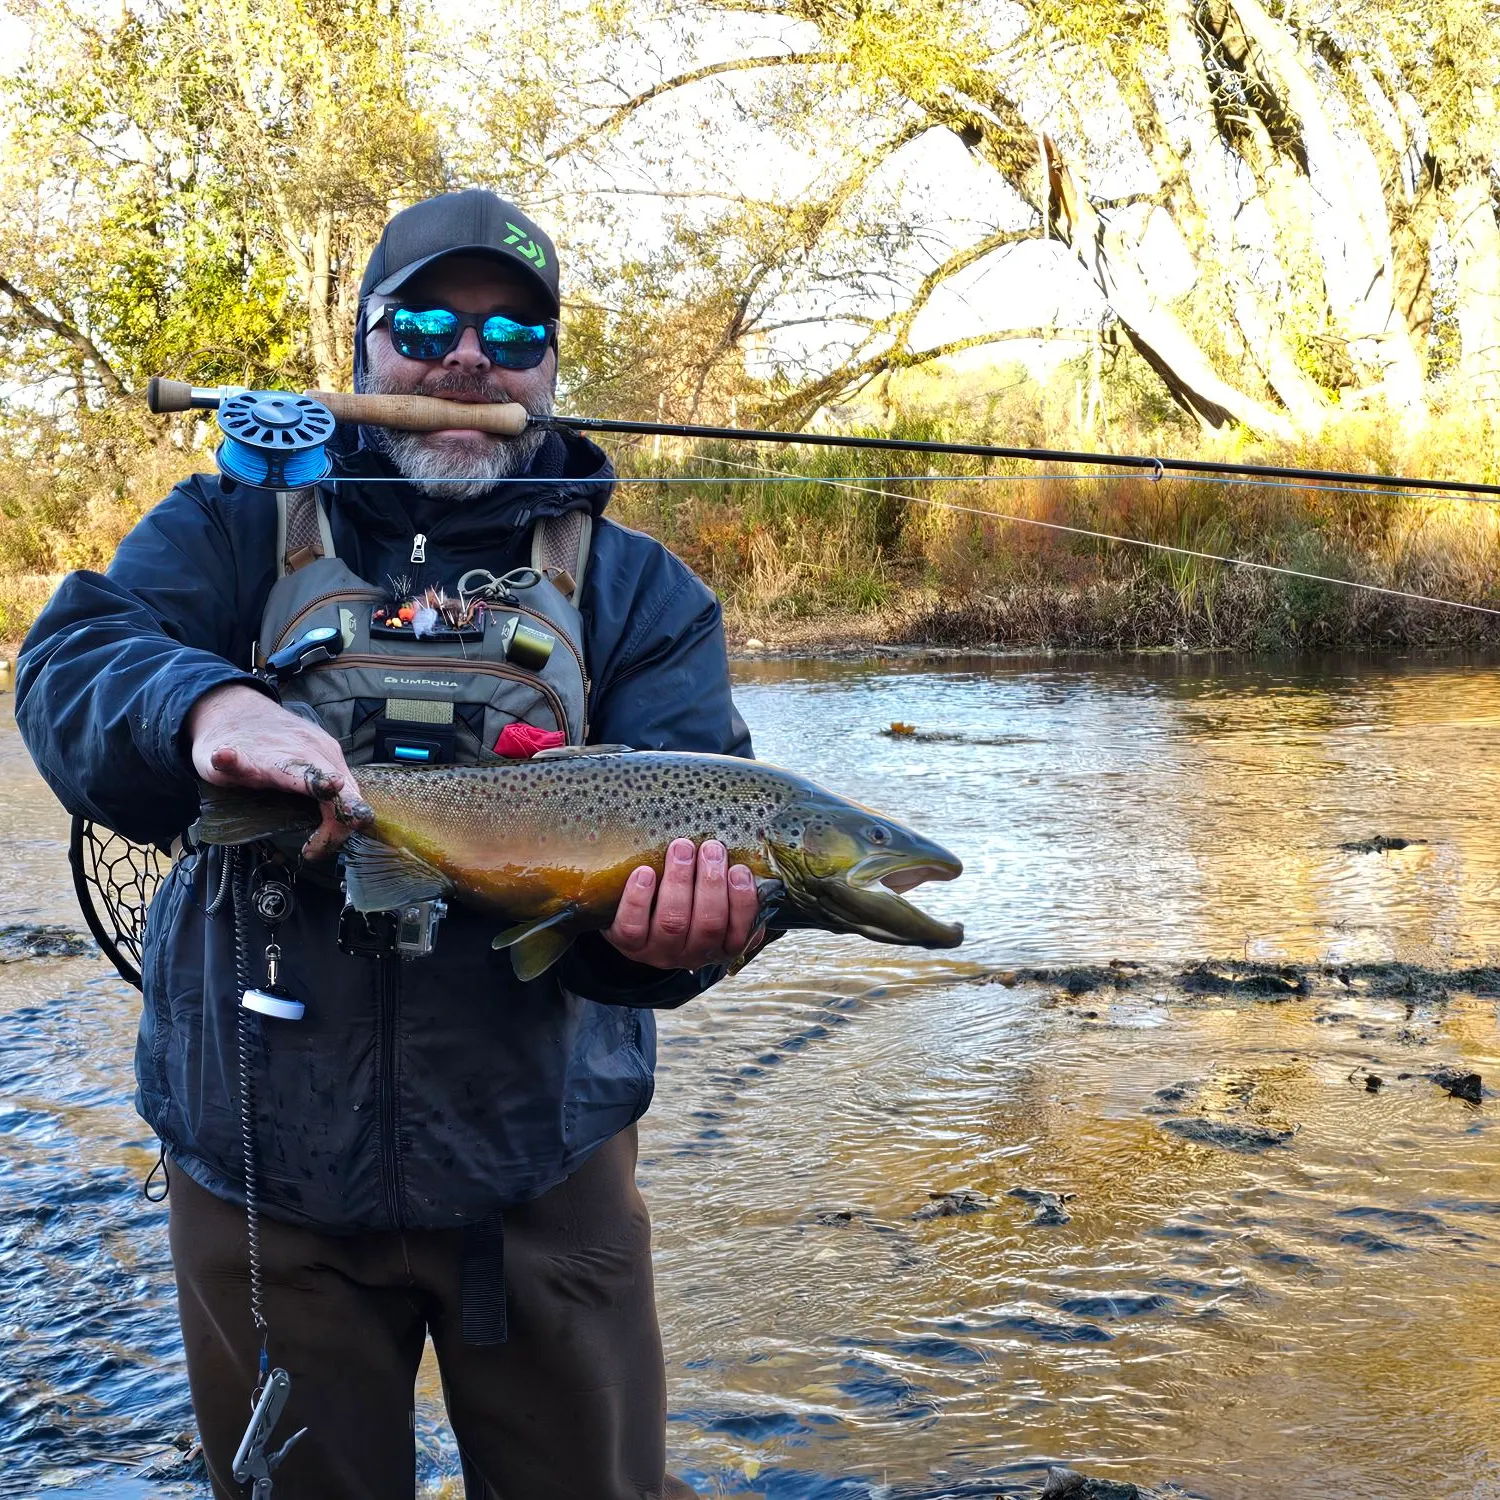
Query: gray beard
x=459, y=476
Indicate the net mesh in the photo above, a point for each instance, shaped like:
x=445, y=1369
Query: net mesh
x=115, y=880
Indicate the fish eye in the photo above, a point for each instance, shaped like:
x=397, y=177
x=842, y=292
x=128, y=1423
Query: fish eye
x=877, y=834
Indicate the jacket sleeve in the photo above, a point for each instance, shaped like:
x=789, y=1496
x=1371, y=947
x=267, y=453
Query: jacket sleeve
x=115, y=661
x=662, y=683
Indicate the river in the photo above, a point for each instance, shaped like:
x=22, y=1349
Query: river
x=1259, y=1272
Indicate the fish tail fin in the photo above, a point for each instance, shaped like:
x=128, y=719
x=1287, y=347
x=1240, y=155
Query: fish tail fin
x=232, y=815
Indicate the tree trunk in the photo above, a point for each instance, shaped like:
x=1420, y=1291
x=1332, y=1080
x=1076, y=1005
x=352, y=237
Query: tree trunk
x=1474, y=232
x=1214, y=189
x=1361, y=272
x=1158, y=337
x=320, y=301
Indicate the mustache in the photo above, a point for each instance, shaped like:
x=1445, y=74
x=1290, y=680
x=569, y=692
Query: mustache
x=462, y=386
x=465, y=387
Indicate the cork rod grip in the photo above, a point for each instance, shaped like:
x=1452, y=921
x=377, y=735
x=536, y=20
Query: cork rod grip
x=424, y=413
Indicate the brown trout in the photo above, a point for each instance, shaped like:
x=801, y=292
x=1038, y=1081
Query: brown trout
x=549, y=843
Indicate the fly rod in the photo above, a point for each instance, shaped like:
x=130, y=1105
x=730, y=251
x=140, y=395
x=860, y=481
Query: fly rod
x=508, y=419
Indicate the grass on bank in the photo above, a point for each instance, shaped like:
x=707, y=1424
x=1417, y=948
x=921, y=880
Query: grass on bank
x=828, y=547
x=841, y=546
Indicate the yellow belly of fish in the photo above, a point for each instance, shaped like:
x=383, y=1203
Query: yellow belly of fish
x=525, y=874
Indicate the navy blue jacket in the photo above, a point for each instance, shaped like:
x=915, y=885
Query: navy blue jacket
x=421, y=1093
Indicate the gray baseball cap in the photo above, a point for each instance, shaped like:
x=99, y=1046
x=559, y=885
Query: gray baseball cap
x=474, y=222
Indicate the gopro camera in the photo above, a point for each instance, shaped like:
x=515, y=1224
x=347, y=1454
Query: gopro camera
x=416, y=927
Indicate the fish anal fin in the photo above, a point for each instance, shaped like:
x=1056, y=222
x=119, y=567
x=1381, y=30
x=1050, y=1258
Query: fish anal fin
x=380, y=878
x=536, y=946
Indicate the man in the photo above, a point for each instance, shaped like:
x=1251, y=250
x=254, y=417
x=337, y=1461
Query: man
x=439, y=1149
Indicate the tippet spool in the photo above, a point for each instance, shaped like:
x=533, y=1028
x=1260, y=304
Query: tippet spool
x=274, y=440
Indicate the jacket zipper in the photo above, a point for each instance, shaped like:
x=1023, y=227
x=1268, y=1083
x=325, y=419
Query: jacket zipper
x=454, y=664
x=388, y=999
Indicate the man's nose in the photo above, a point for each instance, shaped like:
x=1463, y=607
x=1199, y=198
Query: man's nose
x=467, y=355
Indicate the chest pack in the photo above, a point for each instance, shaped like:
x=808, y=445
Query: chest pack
x=432, y=691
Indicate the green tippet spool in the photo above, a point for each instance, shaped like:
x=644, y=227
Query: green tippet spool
x=525, y=645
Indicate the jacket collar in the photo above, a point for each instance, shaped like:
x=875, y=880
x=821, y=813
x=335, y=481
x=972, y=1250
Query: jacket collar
x=569, y=473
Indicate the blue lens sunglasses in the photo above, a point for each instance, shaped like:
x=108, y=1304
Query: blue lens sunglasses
x=433, y=332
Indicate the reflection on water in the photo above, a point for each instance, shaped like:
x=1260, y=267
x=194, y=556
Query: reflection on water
x=1274, y=1276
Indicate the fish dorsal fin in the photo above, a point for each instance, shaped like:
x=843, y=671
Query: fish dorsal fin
x=379, y=878
x=536, y=946
x=570, y=750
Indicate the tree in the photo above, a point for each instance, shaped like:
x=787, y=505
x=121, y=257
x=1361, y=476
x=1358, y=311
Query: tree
x=194, y=188
x=1308, y=168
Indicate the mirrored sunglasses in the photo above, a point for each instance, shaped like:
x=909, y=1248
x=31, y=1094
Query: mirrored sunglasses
x=433, y=332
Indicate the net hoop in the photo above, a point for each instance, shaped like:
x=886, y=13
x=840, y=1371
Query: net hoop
x=114, y=880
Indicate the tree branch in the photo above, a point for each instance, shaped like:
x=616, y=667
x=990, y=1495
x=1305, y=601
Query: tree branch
x=619, y=115
x=67, y=332
x=837, y=382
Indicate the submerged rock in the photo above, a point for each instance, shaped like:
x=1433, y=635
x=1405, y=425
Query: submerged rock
x=837, y=1216
x=1068, y=1484
x=1228, y=1136
x=1460, y=1083
x=20, y=941
x=954, y=1202
x=1049, y=1206
x=1379, y=844
x=1271, y=981
x=1076, y=979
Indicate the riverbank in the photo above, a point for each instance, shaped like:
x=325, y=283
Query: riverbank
x=828, y=549
x=1238, y=613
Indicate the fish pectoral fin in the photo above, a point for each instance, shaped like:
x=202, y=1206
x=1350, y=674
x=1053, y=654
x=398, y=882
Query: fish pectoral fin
x=380, y=878
x=536, y=946
x=564, y=751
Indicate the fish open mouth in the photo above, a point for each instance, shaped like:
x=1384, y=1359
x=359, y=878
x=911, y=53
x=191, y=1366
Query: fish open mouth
x=870, y=899
x=901, y=873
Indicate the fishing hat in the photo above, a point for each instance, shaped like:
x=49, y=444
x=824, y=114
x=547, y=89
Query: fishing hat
x=474, y=222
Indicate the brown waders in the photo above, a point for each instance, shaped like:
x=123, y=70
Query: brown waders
x=572, y=1406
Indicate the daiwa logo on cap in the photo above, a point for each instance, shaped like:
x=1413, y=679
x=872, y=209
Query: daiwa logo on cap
x=531, y=250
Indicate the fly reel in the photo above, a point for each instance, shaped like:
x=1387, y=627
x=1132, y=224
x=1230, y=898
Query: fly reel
x=274, y=440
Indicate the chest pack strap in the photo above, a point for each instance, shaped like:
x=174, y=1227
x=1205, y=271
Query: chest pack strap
x=302, y=530
x=560, y=550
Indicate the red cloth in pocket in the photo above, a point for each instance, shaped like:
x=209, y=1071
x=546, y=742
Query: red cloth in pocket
x=522, y=741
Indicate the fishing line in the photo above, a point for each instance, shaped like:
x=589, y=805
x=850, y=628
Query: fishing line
x=1131, y=541
x=782, y=476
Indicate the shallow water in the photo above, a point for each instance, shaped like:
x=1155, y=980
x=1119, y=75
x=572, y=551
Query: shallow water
x=1271, y=1280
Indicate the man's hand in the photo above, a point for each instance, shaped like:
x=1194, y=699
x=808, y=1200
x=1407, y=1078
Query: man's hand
x=704, y=913
x=241, y=738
